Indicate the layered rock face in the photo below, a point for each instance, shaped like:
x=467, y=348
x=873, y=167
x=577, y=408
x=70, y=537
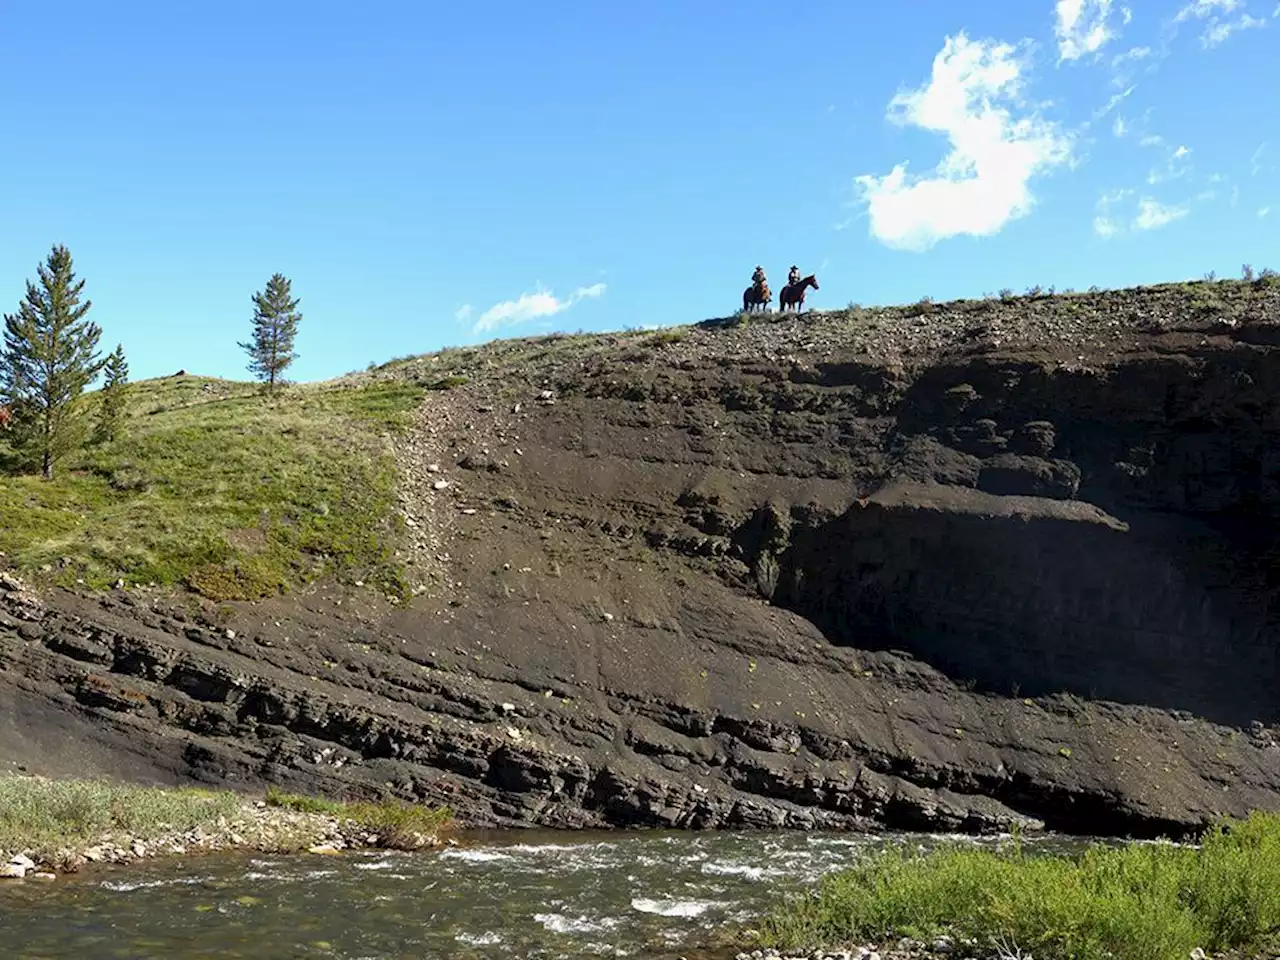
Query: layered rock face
x=950, y=568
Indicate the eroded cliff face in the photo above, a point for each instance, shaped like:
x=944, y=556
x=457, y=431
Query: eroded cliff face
x=991, y=563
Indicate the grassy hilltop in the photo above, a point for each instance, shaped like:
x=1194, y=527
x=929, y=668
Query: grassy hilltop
x=220, y=489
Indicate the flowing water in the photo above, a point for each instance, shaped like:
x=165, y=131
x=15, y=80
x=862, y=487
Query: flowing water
x=636, y=895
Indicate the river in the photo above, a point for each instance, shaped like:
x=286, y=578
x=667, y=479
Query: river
x=544, y=895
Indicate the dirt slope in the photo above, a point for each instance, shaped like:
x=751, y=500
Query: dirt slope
x=950, y=566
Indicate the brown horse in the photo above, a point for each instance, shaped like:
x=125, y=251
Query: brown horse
x=753, y=299
x=792, y=295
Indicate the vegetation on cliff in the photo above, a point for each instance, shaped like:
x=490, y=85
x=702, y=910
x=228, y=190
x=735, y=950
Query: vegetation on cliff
x=211, y=486
x=1138, y=902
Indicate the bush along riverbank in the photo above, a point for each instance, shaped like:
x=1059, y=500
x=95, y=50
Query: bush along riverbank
x=49, y=827
x=1156, y=901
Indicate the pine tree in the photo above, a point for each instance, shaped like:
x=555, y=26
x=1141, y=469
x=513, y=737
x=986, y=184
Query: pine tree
x=49, y=357
x=114, y=387
x=275, y=325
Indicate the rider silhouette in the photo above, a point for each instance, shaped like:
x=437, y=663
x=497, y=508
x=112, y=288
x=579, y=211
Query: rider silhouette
x=757, y=278
x=794, y=276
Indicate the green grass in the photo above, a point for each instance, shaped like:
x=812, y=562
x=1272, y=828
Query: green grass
x=222, y=490
x=49, y=815
x=395, y=823
x=1139, y=902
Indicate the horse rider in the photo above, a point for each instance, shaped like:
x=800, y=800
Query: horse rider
x=794, y=276
x=757, y=279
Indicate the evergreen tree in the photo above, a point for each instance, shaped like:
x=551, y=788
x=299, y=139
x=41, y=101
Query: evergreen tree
x=114, y=388
x=275, y=325
x=49, y=357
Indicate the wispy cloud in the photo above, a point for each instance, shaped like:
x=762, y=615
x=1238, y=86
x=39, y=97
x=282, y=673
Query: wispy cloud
x=1083, y=27
x=530, y=306
x=1148, y=214
x=1219, y=32
x=1255, y=161
x=1104, y=222
x=1119, y=128
x=1264, y=212
x=1153, y=215
x=464, y=312
x=1176, y=165
x=1220, y=20
x=998, y=145
x=1115, y=100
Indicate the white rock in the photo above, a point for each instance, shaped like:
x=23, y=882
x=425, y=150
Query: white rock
x=508, y=707
x=11, y=871
x=44, y=876
x=22, y=860
x=1197, y=953
x=440, y=485
x=514, y=734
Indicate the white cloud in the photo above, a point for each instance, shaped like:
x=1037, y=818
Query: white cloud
x=1220, y=24
x=531, y=306
x=1111, y=104
x=1152, y=140
x=1104, y=223
x=1200, y=9
x=1119, y=128
x=1082, y=27
x=1255, y=161
x=983, y=182
x=1124, y=65
x=1147, y=214
x=1264, y=211
x=1218, y=32
x=1132, y=55
x=1153, y=215
x=1176, y=165
x=464, y=312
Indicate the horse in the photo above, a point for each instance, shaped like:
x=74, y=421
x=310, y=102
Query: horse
x=792, y=295
x=751, y=299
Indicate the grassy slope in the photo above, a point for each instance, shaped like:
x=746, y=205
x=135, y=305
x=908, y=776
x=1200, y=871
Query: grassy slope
x=220, y=489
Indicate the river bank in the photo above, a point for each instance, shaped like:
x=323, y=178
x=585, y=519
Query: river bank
x=1140, y=901
x=50, y=827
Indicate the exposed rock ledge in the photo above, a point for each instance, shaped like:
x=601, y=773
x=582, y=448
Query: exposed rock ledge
x=941, y=575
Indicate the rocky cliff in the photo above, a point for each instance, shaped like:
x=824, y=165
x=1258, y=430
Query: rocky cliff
x=951, y=566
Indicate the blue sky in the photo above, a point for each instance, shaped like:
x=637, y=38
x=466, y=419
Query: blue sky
x=434, y=174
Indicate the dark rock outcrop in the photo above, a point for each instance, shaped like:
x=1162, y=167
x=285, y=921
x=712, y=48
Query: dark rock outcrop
x=1006, y=562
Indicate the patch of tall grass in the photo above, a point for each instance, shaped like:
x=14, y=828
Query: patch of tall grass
x=1137, y=902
